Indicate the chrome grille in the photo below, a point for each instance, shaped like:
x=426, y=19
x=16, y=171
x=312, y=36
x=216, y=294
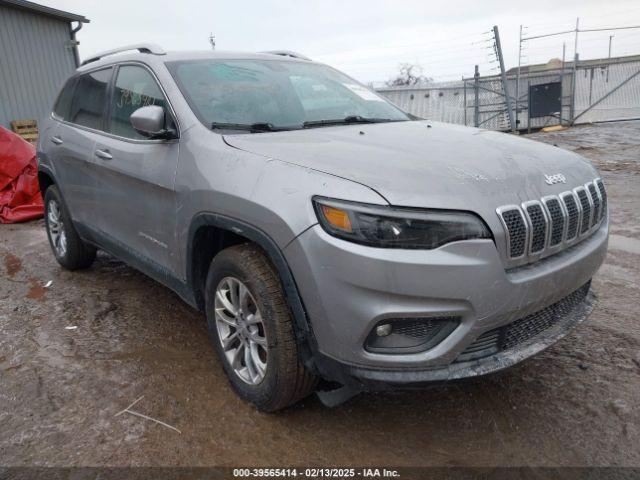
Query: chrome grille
x=573, y=215
x=603, y=196
x=585, y=205
x=595, y=199
x=516, y=227
x=536, y=229
x=538, y=224
x=556, y=219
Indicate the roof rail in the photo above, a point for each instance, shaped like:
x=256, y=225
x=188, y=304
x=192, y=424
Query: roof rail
x=151, y=48
x=288, y=53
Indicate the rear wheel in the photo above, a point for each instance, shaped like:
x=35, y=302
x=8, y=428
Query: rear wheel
x=67, y=246
x=252, y=329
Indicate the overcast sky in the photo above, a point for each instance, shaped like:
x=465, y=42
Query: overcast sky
x=366, y=39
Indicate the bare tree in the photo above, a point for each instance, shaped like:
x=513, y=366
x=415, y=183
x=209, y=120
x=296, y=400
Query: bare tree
x=409, y=74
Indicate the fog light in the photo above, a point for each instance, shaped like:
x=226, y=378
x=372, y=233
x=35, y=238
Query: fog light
x=409, y=335
x=383, y=330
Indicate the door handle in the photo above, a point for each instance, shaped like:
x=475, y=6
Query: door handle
x=103, y=154
x=57, y=140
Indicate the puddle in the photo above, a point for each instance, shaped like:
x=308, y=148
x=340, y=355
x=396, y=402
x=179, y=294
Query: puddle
x=37, y=290
x=626, y=244
x=12, y=264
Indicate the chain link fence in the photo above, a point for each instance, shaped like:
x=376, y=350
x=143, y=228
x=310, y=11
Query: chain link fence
x=608, y=91
x=605, y=90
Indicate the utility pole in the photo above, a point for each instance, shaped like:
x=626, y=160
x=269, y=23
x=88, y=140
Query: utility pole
x=465, y=102
x=503, y=74
x=573, y=76
x=609, y=58
x=212, y=41
x=564, y=51
x=476, y=94
x=610, y=39
x=518, y=74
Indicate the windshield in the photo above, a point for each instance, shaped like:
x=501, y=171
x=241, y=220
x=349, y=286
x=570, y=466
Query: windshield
x=276, y=94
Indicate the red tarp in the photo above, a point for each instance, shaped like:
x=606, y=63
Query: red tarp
x=20, y=198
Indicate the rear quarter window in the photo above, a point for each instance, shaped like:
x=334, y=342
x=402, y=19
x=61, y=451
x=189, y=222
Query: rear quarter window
x=62, y=107
x=89, y=99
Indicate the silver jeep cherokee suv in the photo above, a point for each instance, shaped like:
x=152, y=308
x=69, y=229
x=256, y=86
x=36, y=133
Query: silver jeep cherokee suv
x=334, y=242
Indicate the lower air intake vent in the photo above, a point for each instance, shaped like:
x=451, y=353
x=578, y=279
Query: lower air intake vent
x=523, y=330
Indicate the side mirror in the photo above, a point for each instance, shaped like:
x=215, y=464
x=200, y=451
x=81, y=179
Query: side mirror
x=150, y=122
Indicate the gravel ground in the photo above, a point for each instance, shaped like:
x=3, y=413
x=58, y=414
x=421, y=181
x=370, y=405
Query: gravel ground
x=61, y=388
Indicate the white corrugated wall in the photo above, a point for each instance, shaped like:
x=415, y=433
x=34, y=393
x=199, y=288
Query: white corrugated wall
x=440, y=102
x=592, y=84
x=445, y=102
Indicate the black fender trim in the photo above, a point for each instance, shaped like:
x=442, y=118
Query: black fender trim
x=304, y=332
x=46, y=169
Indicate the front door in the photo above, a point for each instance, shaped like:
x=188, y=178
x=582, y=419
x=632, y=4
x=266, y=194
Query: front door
x=137, y=174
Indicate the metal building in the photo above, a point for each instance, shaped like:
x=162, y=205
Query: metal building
x=38, y=51
x=541, y=95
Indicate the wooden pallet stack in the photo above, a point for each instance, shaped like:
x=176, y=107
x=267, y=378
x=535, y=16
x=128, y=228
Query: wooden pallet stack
x=27, y=129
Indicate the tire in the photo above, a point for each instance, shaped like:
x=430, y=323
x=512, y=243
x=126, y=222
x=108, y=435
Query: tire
x=280, y=378
x=67, y=246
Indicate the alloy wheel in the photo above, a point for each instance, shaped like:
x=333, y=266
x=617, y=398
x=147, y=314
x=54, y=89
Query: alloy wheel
x=241, y=330
x=55, y=225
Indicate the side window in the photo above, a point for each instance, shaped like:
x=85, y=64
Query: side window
x=135, y=87
x=89, y=98
x=63, y=105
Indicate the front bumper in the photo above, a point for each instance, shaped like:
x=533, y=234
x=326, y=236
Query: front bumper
x=347, y=289
x=362, y=378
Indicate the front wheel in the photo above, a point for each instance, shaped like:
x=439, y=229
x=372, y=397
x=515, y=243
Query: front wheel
x=252, y=329
x=67, y=246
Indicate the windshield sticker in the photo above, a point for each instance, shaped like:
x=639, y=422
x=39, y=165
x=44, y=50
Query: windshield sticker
x=363, y=92
x=233, y=73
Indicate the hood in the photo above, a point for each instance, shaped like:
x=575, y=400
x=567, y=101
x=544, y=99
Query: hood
x=427, y=164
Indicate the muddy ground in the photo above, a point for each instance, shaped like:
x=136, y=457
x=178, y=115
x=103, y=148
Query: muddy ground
x=60, y=389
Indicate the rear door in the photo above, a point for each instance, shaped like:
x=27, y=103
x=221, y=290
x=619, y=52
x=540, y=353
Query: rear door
x=80, y=112
x=137, y=175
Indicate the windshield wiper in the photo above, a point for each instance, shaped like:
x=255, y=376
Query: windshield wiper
x=269, y=127
x=351, y=119
x=250, y=127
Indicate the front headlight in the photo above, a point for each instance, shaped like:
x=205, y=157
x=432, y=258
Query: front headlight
x=388, y=227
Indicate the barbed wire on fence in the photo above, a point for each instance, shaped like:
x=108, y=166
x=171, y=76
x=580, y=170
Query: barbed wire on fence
x=589, y=90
